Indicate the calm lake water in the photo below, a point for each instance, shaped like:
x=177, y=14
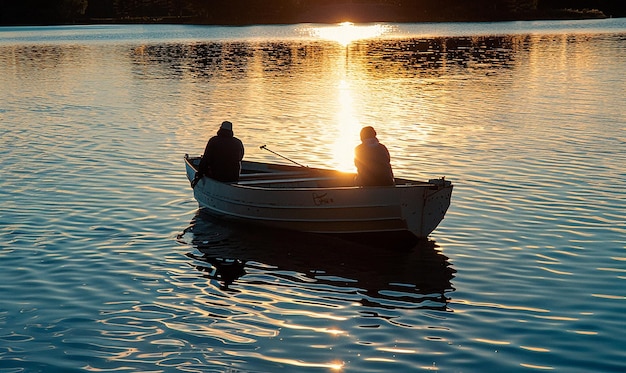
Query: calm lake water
x=108, y=266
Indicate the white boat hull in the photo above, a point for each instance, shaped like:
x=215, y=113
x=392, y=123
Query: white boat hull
x=324, y=201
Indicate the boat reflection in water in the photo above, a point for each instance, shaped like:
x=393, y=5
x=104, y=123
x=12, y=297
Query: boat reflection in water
x=419, y=277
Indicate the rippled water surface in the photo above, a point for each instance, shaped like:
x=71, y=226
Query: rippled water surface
x=107, y=264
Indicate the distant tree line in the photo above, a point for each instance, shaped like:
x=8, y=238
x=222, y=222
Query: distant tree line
x=37, y=12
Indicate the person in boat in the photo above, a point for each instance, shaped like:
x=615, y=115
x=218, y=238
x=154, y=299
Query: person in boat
x=372, y=160
x=222, y=156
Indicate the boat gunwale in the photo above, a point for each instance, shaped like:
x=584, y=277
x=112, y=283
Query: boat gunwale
x=256, y=178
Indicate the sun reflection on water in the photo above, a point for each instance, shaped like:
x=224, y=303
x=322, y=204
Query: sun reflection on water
x=347, y=32
x=348, y=127
x=347, y=119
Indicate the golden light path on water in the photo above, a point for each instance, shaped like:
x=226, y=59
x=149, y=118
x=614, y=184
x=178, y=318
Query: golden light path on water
x=347, y=122
x=348, y=125
x=347, y=32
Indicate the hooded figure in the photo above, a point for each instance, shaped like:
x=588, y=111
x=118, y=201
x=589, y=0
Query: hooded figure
x=222, y=156
x=372, y=161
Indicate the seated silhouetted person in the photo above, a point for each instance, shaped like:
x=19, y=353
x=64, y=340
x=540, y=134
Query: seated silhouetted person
x=222, y=156
x=372, y=161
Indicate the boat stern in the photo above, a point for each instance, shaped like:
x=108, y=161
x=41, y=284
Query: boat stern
x=191, y=166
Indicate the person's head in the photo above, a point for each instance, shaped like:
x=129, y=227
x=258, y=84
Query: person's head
x=226, y=128
x=226, y=125
x=368, y=133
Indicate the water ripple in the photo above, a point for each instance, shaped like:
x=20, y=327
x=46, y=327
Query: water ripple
x=107, y=265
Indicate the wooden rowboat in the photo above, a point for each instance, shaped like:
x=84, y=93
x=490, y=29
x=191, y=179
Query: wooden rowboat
x=324, y=201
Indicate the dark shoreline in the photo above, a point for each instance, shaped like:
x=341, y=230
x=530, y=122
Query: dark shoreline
x=260, y=13
x=552, y=15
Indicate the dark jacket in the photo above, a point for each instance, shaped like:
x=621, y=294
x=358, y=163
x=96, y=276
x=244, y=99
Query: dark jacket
x=222, y=157
x=372, y=161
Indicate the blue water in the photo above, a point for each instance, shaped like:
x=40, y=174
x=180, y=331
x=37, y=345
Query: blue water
x=107, y=264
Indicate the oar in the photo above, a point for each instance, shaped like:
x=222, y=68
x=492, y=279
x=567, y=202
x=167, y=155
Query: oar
x=264, y=147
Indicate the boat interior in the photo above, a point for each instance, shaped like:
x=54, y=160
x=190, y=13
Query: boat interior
x=296, y=179
x=263, y=175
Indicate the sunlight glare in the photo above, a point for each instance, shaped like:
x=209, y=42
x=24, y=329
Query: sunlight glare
x=336, y=366
x=349, y=127
x=347, y=32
